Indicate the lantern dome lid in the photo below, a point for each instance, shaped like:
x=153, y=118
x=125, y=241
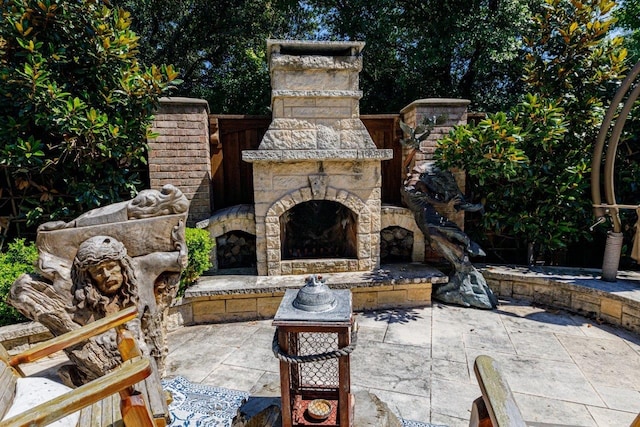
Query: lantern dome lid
x=315, y=296
x=315, y=304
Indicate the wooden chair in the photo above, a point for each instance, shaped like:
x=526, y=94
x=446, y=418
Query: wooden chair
x=110, y=400
x=497, y=407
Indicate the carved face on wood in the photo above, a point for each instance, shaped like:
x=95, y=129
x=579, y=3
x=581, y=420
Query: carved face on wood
x=107, y=276
x=103, y=278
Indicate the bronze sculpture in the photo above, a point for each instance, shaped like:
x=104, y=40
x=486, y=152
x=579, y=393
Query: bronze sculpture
x=427, y=192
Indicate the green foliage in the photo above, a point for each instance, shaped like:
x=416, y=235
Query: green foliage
x=199, y=245
x=75, y=106
x=573, y=59
x=19, y=258
x=532, y=165
x=426, y=48
x=219, y=46
x=511, y=160
x=628, y=15
x=415, y=48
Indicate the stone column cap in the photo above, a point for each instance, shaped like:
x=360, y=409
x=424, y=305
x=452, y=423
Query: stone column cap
x=181, y=100
x=314, y=47
x=436, y=102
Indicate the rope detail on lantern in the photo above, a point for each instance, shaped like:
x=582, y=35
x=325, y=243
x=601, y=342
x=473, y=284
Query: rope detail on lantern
x=293, y=358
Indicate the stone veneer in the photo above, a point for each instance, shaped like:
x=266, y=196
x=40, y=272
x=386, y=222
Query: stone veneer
x=316, y=148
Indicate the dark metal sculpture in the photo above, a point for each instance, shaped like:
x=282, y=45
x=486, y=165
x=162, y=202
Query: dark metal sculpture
x=428, y=192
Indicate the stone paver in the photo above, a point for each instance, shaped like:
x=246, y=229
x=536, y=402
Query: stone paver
x=563, y=368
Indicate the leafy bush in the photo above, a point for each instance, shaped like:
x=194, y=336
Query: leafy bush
x=75, y=106
x=199, y=245
x=511, y=160
x=18, y=259
x=532, y=163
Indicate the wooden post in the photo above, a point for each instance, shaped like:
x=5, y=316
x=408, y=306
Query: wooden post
x=344, y=400
x=285, y=382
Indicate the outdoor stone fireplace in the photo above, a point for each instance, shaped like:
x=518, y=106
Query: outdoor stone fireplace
x=316, y=173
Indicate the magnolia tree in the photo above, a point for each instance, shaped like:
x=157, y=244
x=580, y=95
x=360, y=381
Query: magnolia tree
x=75, y=107
x=531, y=164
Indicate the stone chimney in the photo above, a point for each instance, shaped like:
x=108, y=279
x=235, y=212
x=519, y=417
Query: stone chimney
x=316, y=154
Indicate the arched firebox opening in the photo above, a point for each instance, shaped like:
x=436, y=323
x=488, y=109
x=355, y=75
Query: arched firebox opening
x=318, y=229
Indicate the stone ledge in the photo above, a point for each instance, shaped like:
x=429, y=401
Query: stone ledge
x=576, y=290
x=400, y=274
x=254, y=156
x=248, y=297
x=18, y=337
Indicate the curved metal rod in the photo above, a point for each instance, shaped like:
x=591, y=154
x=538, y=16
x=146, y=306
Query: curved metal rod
x=610, y=159
x=599, y=146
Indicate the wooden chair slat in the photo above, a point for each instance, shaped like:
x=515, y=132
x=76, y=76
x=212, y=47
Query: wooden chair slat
x=500, y=404
x=126, y=375
x=85, y=415
x=157, y=401
x=497, y=406
x=63, y=341
x=7, y=388
x=102, y=401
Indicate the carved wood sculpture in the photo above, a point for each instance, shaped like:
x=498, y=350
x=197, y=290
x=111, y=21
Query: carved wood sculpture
x=97, y=400
x=126, y=254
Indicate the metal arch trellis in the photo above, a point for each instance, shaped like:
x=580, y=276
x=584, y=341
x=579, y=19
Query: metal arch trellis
x=610, y=208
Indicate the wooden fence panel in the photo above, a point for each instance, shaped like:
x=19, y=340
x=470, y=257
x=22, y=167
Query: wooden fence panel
x=386, y=134
x=233, y=178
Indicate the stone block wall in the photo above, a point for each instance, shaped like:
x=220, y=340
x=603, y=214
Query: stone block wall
x=262, y=303
x=180, y=154
x=579, y=291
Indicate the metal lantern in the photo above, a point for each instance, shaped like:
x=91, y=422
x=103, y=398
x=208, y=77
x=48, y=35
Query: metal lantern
x=314, y=337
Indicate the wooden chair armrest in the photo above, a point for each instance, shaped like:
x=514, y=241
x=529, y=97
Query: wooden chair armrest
x=70, y=338
x=128, y=374
x=496, y=393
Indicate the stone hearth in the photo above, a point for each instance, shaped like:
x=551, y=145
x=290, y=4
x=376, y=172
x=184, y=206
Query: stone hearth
x=316, y=155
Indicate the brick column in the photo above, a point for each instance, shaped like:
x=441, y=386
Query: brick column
x=180, y=154
x=454, y=112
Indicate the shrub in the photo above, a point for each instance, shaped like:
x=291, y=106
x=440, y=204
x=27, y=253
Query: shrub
x=199, y=245
x=512, y=162
x=19, y=258
x=75, y=107
x=532, y=164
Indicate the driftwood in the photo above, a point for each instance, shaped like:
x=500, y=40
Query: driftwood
x=430, y=192
x=128, y=253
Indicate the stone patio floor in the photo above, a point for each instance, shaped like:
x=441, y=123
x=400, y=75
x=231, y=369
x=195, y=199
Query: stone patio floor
x=564, y=369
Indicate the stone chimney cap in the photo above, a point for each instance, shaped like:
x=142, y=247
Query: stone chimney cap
x=314, y=47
